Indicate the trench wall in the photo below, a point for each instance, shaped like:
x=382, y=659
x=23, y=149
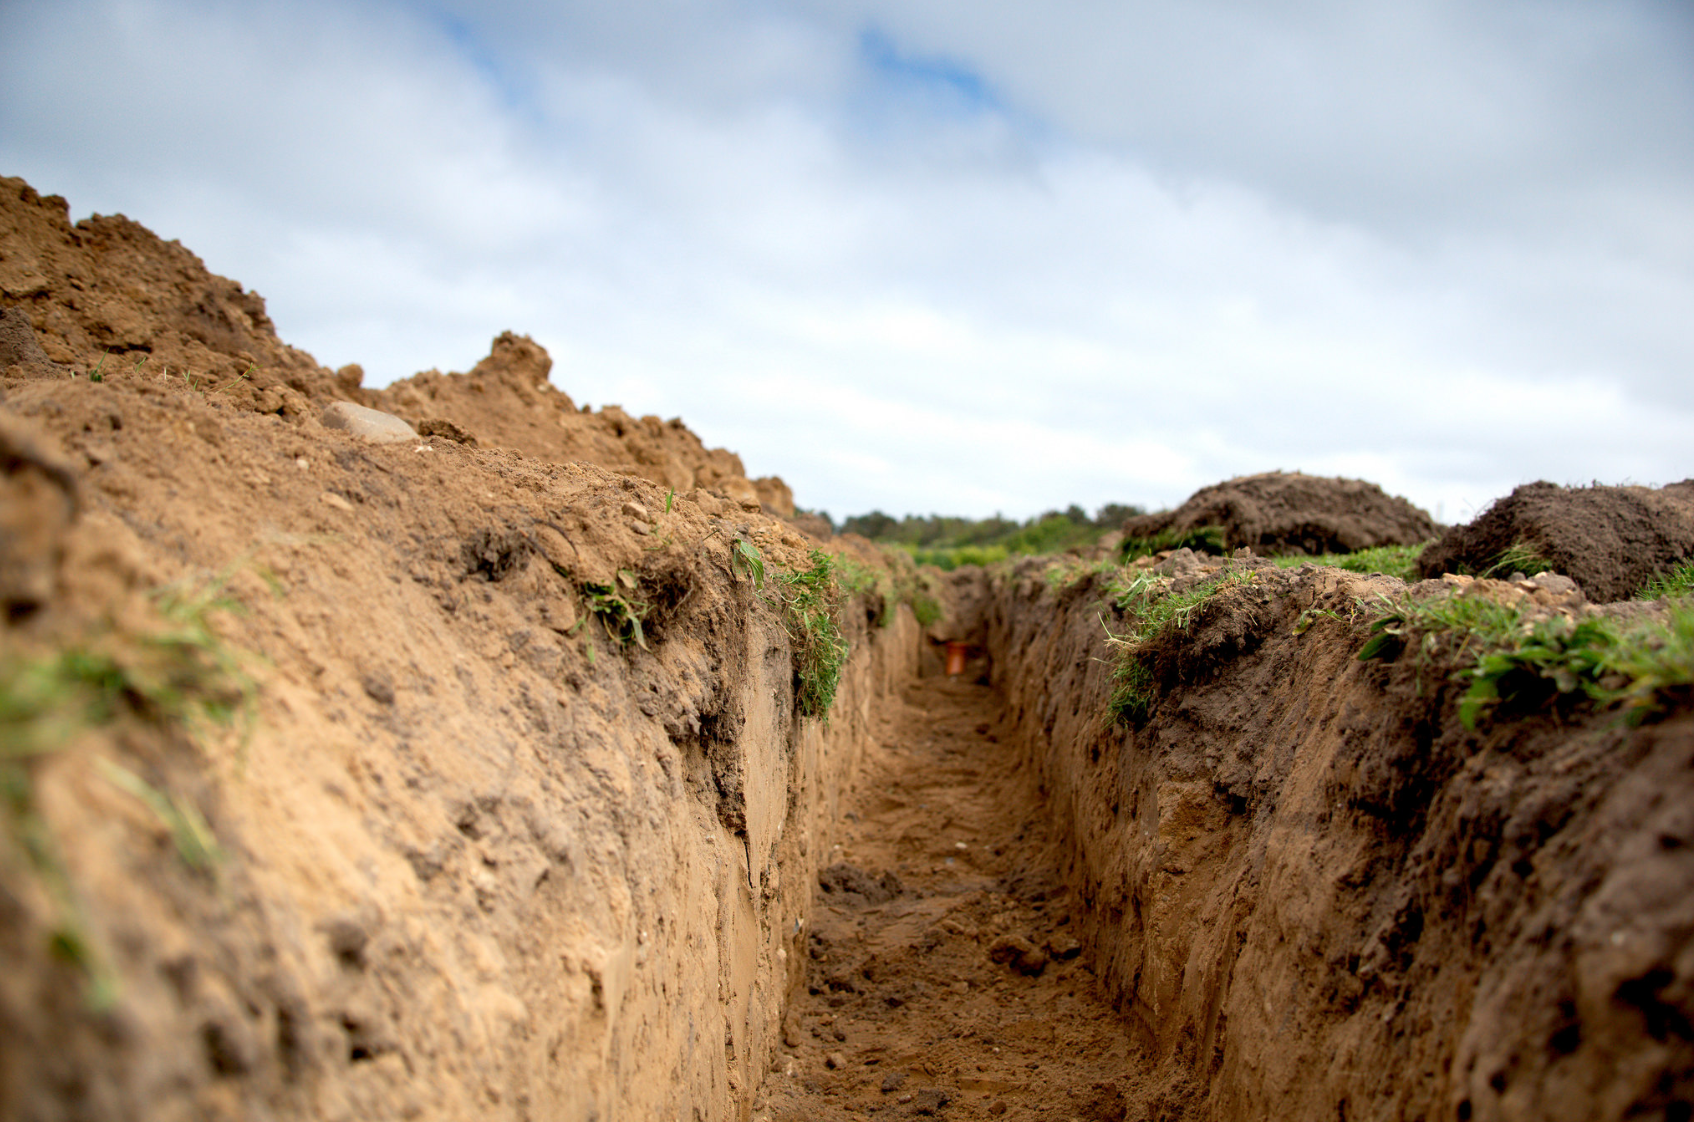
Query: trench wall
x=478, y=858
x=1315, y=895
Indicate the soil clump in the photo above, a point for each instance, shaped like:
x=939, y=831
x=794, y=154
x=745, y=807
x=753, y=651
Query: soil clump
x=1276, y=513
x=1610, y=540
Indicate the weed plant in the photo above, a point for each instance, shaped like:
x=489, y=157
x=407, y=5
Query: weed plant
x=619, y=608
x=1510, y=661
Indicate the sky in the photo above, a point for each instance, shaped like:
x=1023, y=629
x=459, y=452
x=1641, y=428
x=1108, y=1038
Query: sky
x=938, y=256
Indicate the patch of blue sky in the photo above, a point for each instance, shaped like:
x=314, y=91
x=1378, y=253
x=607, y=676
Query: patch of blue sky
x=947, y=84
x=497, y=75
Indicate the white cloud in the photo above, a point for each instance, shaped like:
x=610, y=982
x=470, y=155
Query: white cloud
x=943, y=257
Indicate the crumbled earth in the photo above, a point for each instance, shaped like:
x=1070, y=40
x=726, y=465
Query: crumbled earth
x=945, y=976
x=1610, y=540
x=1289, y=513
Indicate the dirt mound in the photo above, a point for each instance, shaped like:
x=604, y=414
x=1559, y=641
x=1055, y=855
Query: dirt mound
x=108, y=297
x=1286, y=513
x=507, y=401
x=107, y=294
x=1610, y=540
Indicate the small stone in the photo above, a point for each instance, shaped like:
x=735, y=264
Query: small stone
x=929, y=1100
x=636, y=511
x=330, y=498
x=1064, y=946
x=893, y=1081
x=370, y=424
x=1018, y=953
x=835, y=1061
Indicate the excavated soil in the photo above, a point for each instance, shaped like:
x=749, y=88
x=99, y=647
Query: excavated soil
x=1610, y=540
x=476, y=846
x=1290, y=513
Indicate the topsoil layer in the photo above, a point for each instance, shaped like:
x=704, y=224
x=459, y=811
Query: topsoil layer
x=1610, y=540
x=1287, y=512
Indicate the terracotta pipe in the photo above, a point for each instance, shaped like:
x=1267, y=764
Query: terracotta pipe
x=956, y=658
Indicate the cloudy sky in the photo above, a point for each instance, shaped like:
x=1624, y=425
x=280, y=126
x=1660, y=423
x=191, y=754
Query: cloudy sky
x=932, y=255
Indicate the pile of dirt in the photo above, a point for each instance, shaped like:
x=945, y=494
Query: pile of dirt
x=1610, y=540
x=1287, y=513
x=507, y=400
x=107, y=297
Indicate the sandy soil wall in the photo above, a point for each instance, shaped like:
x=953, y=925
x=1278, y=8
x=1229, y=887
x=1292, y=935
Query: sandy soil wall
x=480, y=859
x=1315, y=895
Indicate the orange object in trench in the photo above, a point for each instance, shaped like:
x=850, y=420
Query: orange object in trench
x=956, y=658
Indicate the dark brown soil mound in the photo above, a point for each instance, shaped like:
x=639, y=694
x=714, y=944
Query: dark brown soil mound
x=1610, y=540
x=1287, y=513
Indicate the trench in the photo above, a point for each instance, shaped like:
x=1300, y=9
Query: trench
x=944, y=972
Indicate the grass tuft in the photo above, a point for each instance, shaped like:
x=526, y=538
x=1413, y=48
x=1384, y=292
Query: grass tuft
x=1151, y=610
x=810, y=601
x=1509, y=661
x=179, y=675
x=1519, y=557
x=1202, y=539
x=1676, y=584
x=1399, y=561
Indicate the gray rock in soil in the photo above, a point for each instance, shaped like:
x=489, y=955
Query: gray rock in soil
x=370, y=424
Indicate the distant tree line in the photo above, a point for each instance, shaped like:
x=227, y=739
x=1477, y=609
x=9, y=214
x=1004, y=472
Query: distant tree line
x=948, y=541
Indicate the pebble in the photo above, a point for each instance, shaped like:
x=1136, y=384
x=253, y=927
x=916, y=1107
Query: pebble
x=371, y=424
x=835, y=1061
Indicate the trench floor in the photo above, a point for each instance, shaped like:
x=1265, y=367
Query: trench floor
x=943, y=976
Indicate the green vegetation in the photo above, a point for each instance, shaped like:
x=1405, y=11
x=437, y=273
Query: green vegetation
x=1151, y=609
x=620, y=612
x=1519, y=557
x=948, y=542
x=1390, y=560
x=180, y=675
x=1676, y=584
x=1203, y=539
x=1508, y=659
x=810, y=602
x=898, y=582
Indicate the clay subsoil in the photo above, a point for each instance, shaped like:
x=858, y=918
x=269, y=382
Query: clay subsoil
x=339, y=782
